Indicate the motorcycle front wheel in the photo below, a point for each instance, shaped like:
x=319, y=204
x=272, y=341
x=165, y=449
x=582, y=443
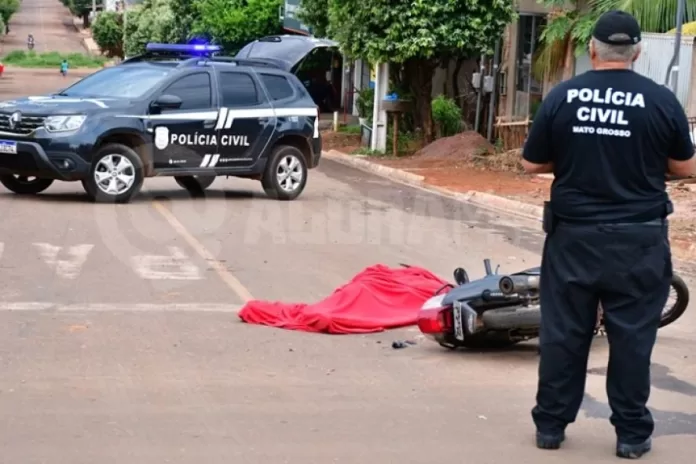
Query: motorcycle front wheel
x=676, y=303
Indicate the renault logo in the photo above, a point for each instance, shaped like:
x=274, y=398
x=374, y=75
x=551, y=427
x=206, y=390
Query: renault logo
x=14, y=119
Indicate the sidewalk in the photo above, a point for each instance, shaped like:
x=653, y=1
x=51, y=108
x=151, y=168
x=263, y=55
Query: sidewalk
x=457, y=173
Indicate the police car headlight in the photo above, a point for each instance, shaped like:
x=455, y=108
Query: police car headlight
x=64, y=123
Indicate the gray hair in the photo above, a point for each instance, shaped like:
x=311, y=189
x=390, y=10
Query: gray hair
x=615, y=53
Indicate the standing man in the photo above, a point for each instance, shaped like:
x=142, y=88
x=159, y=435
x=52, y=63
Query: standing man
x=610, y=136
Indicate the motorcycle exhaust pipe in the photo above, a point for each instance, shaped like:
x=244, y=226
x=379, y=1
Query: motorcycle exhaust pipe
x=518, y=284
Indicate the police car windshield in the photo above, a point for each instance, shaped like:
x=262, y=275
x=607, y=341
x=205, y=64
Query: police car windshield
x=119, y=82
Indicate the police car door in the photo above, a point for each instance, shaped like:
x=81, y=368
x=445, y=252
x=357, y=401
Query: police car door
x=186, y=138
x=250, y=120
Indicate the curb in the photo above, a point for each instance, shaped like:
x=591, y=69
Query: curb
x=367, y=166
x=504, y=205
x=485, y=200
x=489, y=201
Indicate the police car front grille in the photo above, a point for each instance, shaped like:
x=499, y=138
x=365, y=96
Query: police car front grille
x=27, y=125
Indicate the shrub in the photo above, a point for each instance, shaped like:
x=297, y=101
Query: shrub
x=447, y=116
x=365, y=103
x=107, y=32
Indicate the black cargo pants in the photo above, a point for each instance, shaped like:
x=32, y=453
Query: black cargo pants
x=628, y=267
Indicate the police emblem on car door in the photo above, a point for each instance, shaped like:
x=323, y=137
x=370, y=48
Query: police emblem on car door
x=185, y=135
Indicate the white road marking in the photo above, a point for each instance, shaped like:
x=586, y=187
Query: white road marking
x=66, y=268
x=176, y=266
x=225, y=275
x=119, y=307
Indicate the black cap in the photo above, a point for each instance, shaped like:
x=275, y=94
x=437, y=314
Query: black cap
x=617, y=28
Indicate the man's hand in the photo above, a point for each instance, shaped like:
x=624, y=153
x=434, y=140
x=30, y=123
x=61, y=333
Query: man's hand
x=534, y=168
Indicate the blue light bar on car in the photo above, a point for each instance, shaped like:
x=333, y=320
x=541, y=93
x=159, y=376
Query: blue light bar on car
x=182, y=48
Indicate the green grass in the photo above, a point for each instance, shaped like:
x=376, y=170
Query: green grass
x=350, y=129
x=31, y=59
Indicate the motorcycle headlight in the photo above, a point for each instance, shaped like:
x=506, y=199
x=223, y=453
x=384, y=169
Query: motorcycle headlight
x=64, y=123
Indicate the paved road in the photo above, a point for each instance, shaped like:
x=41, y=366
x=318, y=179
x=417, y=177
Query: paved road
x=50, y=23
x=101, y=365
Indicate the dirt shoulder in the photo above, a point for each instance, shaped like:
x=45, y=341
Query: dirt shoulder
x=468, y=162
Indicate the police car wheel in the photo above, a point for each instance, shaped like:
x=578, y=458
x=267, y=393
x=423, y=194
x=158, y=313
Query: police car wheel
x=286, y=173
x=25, y=185
x=195, y=184
x=116, y=175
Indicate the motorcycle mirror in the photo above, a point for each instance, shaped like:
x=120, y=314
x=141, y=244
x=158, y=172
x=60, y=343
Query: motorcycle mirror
x=460, y=276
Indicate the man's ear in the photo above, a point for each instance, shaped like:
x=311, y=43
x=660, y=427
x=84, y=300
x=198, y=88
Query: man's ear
x=591, y=50
x=638, y=50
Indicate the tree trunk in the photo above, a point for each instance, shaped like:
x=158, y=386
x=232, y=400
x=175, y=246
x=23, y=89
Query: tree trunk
x=420, y=77
x=455, y=81
x=85, y=20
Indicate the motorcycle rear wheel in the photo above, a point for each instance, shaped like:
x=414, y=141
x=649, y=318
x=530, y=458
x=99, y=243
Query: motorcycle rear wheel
x=679, y=307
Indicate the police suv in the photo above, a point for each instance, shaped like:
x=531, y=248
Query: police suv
x=177, y=110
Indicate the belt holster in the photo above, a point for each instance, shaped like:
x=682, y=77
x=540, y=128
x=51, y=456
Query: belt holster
x=549, y=220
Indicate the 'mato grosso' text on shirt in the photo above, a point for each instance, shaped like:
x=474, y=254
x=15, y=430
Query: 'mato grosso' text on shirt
x=604, y=107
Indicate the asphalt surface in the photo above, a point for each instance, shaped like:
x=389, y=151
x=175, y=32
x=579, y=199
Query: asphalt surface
x=119, y=340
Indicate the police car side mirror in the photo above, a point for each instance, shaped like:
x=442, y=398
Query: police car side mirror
x=166, y=102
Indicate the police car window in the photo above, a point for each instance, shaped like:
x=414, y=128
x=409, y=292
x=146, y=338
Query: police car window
x=238, y=89
x=118, y=82
x=194, y=90
x=278, y=86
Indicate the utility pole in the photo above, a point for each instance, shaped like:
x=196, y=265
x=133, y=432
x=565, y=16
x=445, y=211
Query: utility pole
x=673, y=69
x=124, y=5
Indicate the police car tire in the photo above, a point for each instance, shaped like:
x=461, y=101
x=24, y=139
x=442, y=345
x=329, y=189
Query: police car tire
x=512, y=318
x=679, y=307
x=90, y=185
x=195, y=184
x=269, y=181
x=13, y=184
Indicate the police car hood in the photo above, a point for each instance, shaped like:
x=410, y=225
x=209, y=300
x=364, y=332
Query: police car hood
x=57, y=104
x=285, y=51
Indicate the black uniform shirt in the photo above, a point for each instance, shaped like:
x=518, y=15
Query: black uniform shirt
x=609, y=134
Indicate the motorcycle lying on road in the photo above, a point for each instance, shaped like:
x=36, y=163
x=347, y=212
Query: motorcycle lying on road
x=498, y=311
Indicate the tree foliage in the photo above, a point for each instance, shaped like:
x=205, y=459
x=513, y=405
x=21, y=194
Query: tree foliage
x=107, y=32
x=185, y=14
x=234, y=23
x=417, y=34
x=315, y=13
x=152, y=21
x=81, y=8
x=7, y=9
x=570, y=25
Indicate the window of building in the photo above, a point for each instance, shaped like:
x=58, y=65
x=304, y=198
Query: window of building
x=528, y=89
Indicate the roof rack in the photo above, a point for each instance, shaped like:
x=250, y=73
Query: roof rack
x=228, y=59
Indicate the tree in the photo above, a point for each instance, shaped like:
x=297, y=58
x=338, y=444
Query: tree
x=315, y=13
x=81, y=9
x=107, y=31
x=570, y=25
x=152, y=21
x=234, y=23
x=416, y=34
x=7, y=9
x=185, y=15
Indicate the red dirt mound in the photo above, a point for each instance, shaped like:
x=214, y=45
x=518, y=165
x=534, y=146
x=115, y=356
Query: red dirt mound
x=448, y=152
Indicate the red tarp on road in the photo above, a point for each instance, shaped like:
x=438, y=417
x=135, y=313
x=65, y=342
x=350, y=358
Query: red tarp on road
x=378, y=298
